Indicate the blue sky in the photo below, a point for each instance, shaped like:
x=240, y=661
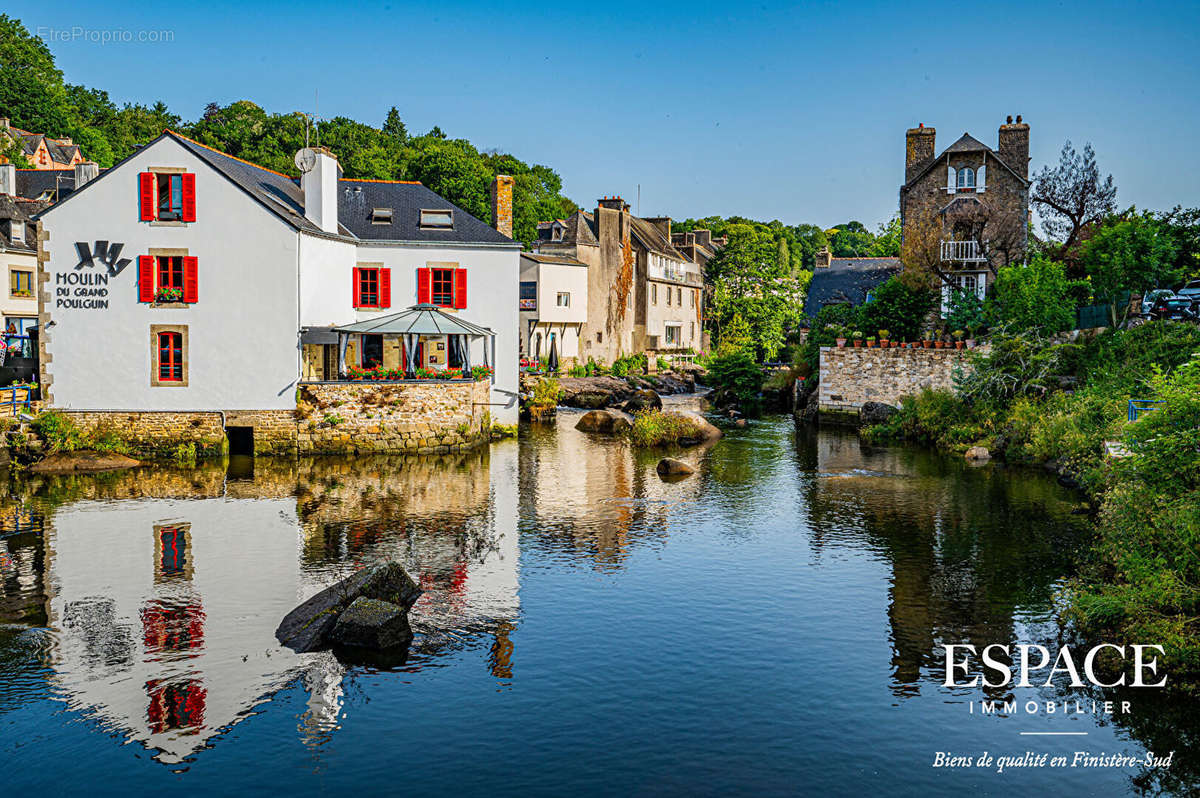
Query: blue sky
x=791, y=112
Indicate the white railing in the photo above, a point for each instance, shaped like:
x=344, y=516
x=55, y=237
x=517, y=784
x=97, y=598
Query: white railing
x=962, y=251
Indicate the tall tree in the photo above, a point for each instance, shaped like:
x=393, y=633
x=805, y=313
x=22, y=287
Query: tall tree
x=394, y=128
x=1072, y=196
x=31, y=86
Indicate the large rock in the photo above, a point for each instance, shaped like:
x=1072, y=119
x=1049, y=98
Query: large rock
x=603, y=422
x=645, y=399
x=670, y=467
x=706, y=431
x=593, y=392
x=978, y=453
x=307, y=627
x=872, y=413
x=82, y=461
x=371, y=623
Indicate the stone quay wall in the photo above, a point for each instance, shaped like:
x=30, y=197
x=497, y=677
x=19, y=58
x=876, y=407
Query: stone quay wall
x=853, y=376
x=432, y=417
x=155, y=433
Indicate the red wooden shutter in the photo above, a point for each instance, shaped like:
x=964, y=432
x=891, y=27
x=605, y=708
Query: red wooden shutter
x=354, y=289
x=189, y=197
x=145, y=278
x=460, y=288
x=385, y=288
x=424, y=285
x=146, y=193
x=190, y=283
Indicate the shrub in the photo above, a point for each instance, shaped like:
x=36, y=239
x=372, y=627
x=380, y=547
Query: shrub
x=896, y=307
x=656, y=428
x=60, y=432
x=831, y=322
x=1019, y=364
x=738, y=374
x=662, y=363
x=546, y=393
x=1036, y=295
x=932, y=417
x=630, y=364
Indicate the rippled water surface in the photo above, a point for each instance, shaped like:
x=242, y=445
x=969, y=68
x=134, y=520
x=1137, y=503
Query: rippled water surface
x=771, y=625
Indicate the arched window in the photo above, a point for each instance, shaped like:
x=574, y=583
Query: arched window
x=966, y=177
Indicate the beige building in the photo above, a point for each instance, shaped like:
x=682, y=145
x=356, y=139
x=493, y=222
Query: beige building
x=554, y=305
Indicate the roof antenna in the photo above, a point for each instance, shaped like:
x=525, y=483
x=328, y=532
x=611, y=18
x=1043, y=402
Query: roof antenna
x=639, y=199
x=317, y=115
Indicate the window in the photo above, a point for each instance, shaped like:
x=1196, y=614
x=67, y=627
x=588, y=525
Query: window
x=437, y=220
x=170, y=198
x=564, y=299
x=691, y=330
x=679, y=297
x=443, y=287
x=966, y=177
x=21, y=283
x=653, y=294
x=668, y=296
x=442, y=284
x=167, y=195
x=372, y=287
x=169, y=355
x=168, y=275
x=692, y=298
x=381, y=216
x=672, y=333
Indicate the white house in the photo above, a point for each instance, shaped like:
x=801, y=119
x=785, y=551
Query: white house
x=554, y=304
x=184, y=279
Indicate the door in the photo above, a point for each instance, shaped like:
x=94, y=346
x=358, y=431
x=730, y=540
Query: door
x=372, y=351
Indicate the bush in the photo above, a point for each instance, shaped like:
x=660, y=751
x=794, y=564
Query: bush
x=656, y=428
x=898, y=308
x=933, y=417
x=60, y=432
x=830, y=323
x=546, y=393
x=739, y=375
x=631, y=364
x=1037, y=295
x=1018, y=364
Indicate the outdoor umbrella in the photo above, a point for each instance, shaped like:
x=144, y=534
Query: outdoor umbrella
x=552, y=363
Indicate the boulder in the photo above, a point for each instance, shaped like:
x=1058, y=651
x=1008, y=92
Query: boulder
x=978, y=453
x=741, y=423
x=705, y=430
x=82, y=461
x=602, y=422
x=670, y=467
x=593, y=392
x=872, y=413
x=307, y=627
x=371, y=623
x=643, y=400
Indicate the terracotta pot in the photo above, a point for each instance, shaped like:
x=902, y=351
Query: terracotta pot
x=897, y=344
x=841, y=343
x=927, y=344
x=884, y=343
x=959, y=344
x=858, y=343
x=870, y=344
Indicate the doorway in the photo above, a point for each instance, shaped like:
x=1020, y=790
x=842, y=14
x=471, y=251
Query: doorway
x=241, y=440
x=372, y=351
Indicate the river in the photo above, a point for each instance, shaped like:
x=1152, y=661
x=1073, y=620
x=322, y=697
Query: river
x=769, y=626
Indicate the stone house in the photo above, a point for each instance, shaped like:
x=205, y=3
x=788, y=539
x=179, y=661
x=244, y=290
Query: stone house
x=643, y=294
x=966, y=210
x=187, y=288
x=41, y=151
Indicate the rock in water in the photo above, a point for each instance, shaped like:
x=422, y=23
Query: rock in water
x=307, y=627
x=978, y=453
x=872, y=413
x=670, y=467
x=370, y=623
x=84, y=461
x=602, y=421
x=643, y=400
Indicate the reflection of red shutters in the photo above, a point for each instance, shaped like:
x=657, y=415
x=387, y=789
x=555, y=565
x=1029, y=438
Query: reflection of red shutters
x=189, y=197
x=145, y=278
x=190, y=284
x=146, y=194
x=424, y=284
x=460, y=288
x=355, y=288
x=385, y=288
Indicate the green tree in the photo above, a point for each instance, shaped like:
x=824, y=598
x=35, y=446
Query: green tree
x=394, y=128
x=1133, y=253
x=850, y=240
x=887, y=240
x=31, y=86
x=1036, y=295
x=898, y=308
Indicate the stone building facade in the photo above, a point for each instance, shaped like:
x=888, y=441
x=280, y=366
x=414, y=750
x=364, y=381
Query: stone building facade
x=966, y=210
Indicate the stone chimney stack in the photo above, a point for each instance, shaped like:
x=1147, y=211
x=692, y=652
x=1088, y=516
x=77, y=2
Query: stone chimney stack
x=320, y=189
x=663, y=223
x=502, y=209
x=613, y=203
x=822, y=258
x=1014, y=146
x=85, y=172
x=919, y=150
x=8, y=179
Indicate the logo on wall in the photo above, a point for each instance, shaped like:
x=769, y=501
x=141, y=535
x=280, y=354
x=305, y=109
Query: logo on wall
x=89, y=290
x=105, y=255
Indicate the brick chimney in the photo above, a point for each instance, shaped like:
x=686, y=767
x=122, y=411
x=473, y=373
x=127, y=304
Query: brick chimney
x=1014, y=146
x=919, y=150
x=822, y=258
x=502, y=210
x=320, y=189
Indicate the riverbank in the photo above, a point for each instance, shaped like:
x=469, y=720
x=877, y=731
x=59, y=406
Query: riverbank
x=1056, y=406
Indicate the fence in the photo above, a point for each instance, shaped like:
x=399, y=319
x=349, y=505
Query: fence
x=14, y=399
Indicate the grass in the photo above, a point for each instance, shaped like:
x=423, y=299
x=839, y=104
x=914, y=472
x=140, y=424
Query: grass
x=656, y=428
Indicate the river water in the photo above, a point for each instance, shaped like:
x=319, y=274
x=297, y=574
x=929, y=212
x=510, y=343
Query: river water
x=769, y=626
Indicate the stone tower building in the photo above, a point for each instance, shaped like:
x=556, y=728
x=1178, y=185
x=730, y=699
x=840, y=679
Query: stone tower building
x=966, y=210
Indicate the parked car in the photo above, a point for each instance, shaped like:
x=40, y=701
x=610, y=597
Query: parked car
x=1192, y=291
x=1174, y=307
x=1150, y=297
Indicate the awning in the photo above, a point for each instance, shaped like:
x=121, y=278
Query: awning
x=424, y=319
x=318, y=335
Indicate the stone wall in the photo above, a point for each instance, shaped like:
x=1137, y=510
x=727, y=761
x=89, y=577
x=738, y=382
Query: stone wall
x=155, y=433
x=853, y=376
x=419, y=417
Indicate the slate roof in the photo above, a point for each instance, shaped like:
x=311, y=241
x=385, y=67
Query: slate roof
x=34, y=183
x=967, y=143
x=652, y=238
x=847, y=281
x=562, y=260
x=20, y=211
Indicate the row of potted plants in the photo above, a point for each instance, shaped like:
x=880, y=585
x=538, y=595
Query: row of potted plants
x=931, y=340
x=379, y=373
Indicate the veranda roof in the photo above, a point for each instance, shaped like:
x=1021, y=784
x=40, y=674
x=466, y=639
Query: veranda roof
x=423, y=319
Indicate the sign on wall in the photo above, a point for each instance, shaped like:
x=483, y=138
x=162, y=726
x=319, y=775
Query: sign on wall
x=88, y=290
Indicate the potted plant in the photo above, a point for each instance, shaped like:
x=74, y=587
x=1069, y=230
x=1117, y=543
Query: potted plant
x=958, y=339
x=927, y=340
x=884, y=341
x=168, y=295
x=870, y=341
x=971, y=330
x=840, y=336
x=857, y=336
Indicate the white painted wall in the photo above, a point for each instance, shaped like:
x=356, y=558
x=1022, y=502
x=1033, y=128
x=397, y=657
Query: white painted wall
x=554, y=278
x=242, y=333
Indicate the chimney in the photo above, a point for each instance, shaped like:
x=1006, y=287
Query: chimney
x=85, y=172
x=823, y=258
x=919, y=150
x=8, y=179
x=703, y=237
x=663, y=223
x=502, y=210
x=1014, y=146
x=319, y=186
x=613, y=203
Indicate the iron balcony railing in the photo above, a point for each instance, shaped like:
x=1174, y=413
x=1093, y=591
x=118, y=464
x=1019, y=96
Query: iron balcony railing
x=968, y=251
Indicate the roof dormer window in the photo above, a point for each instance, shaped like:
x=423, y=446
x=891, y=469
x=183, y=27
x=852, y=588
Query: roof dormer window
x=441, y=219
x=381, y=216
x=966, y=178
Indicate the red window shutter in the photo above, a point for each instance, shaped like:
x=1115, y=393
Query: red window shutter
x=189, y=197
x=355, y=289
x=145, y=278
x=385, y=288
x=146, y=193
x=424, y=285
x=190, y=282
x=460, y=288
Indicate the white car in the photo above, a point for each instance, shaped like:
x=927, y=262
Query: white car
x=1150, y=297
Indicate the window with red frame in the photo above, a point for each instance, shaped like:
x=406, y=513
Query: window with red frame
x=170, y=272
x=445, y=287
x=168, y=278
x=167, y=196
x=372, y=287
x=170, y=357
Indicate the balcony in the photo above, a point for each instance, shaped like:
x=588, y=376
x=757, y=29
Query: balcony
x=963, y=251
